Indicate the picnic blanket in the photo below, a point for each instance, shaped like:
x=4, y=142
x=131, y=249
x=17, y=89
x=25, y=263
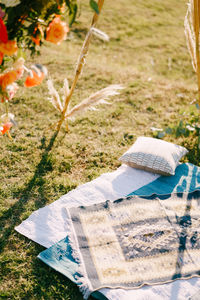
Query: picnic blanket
x=59, y=256
x=135, y=241
x=186, y=179
x=48, y=225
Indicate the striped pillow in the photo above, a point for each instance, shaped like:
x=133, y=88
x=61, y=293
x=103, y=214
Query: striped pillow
x=154, y=155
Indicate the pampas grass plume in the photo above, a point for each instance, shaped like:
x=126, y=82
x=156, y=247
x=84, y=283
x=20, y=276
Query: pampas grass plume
x=99, y=97
x=55, y=98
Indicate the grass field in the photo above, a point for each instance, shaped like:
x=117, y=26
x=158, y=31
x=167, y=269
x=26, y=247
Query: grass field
x=147, y=54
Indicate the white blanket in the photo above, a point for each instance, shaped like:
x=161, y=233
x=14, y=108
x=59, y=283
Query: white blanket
x=48, y=225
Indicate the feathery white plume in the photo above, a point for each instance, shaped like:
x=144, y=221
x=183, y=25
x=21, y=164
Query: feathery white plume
x=55, y=98
x=189, y=25
x=100, y=34
x=192, y=32
x=66, y=89
x=95, y=99
x=8, y=118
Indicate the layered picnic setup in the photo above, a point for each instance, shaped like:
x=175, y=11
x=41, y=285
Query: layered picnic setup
x=130, y=234
x=133, y=233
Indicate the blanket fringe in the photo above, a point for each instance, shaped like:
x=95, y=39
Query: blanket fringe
x=82, y=279
x=83, y=286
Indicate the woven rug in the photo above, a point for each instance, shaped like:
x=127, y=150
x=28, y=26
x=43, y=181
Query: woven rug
x=135, y=241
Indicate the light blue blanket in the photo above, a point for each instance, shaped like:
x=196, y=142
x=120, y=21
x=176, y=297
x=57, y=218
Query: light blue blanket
x=186, y=179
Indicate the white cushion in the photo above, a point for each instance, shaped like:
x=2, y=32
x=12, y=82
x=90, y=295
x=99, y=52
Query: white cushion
x=154, y=155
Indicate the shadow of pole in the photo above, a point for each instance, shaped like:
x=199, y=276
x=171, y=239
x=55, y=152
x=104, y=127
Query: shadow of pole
x=11, y=217
x=46, y=279
x=185, y=223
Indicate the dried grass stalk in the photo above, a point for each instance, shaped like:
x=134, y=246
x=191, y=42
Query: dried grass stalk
x=55, y=98
x=99, y=97
x=192, y=30
x=190, y=35
x=80, y=64
x=66, y=90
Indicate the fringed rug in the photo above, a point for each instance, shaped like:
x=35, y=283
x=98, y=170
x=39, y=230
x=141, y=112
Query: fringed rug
x=135, y=241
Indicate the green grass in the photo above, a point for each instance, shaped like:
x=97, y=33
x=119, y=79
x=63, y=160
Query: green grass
x=147, y=54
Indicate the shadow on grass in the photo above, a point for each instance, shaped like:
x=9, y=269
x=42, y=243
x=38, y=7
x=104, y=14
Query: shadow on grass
x=80, y=32
x=15, y=211
x=46, y=281
x=50, y=284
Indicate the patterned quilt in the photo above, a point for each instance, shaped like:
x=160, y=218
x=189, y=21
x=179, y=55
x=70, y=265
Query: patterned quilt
x=137, y=240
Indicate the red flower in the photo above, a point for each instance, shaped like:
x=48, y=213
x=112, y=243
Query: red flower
x=1, y=57
x=3, y=32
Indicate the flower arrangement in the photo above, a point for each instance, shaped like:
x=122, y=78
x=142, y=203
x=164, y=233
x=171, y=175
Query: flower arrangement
x=25, y=25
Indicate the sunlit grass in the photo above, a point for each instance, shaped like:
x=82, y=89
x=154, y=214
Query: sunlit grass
x=147, y=54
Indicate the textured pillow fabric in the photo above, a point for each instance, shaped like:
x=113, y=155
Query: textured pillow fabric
x=154, y=155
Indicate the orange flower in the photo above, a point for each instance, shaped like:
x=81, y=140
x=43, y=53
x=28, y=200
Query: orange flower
x=57, y=31
x=38, y=73
x=37, y=35
x=34, y=80
x=1, y=79
x=8, y=48
x=9, y=77
x=4, y=128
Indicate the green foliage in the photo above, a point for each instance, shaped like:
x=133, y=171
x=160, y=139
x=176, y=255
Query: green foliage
x=184, y=128
x=94, y=5
x=73, y=8
x=23, y=19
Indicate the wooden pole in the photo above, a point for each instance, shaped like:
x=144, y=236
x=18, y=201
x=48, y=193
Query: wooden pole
x=196, y=29
x=80, y=65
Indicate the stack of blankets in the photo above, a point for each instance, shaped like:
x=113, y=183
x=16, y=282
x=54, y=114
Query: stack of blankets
x=128, y=234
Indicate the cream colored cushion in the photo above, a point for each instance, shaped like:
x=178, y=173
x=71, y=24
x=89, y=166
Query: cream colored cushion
x=154, y=155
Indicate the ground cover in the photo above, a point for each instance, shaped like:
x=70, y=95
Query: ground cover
x=147, y=54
